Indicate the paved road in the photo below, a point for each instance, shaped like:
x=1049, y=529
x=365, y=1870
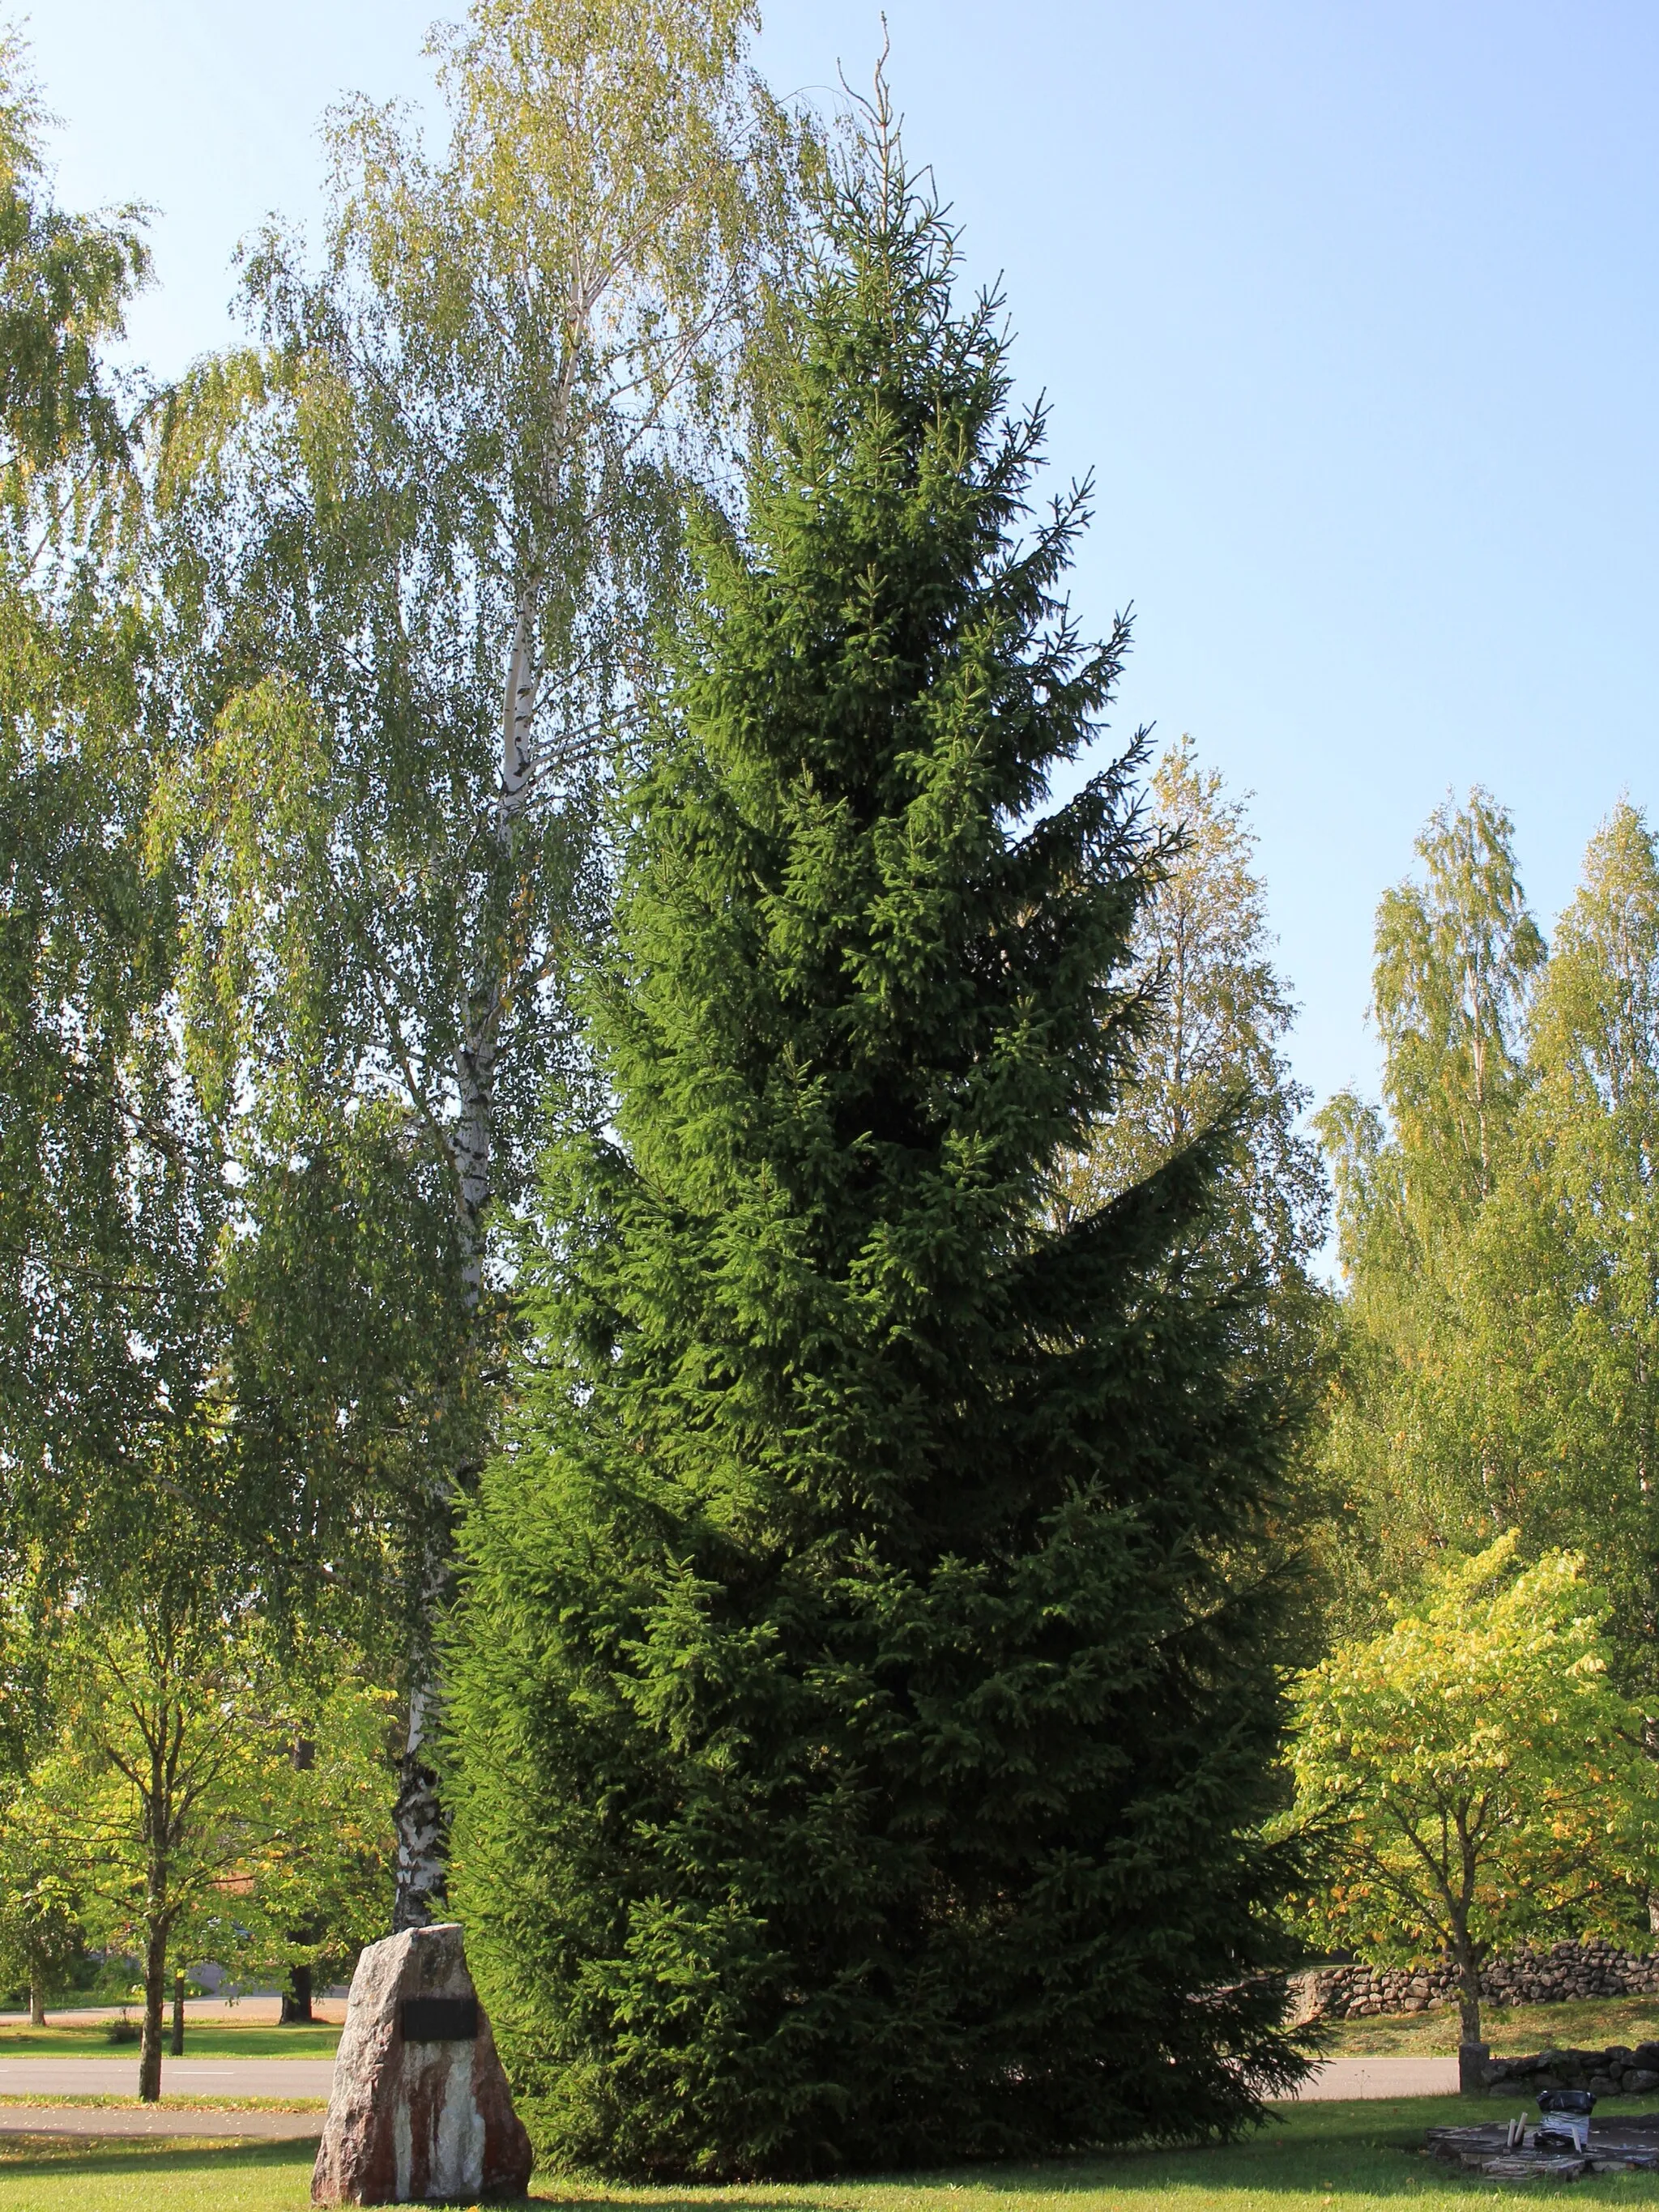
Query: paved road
x=1381, y=2077
x=313, y=2078
x=131, y=2120
x=180, y=2077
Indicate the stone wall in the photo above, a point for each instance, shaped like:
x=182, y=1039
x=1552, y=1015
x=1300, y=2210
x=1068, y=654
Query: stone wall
x=1554, y=1977
x=1619, y=2072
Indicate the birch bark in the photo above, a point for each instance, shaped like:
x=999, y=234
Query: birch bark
x=417, y=1815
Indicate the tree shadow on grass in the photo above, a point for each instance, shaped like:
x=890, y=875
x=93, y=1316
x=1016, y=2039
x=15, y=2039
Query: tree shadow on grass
x=34, y=2157
x=1324, y=2153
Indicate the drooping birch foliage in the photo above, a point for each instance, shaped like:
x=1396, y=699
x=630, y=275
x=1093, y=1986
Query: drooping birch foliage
x=421, y=536
x=1500, y=1344
x=1211, y=1052
x=101, y=1222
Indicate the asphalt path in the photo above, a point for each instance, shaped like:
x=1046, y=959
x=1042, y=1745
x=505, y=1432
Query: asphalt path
x=312, y=2077
x=260, y=2009
x=57, y=2120
x=180, y=2077
x=1381, y=2077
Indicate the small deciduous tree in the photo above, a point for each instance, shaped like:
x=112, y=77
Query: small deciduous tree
x=329, y=1891
x=172, y=1783
x=1475, y=1772
x=40, y=1898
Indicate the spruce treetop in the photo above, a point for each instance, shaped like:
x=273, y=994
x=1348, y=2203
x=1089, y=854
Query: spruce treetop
x=863, y=999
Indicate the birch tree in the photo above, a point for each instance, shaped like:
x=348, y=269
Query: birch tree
x=420, y=533
x=1415, y=1446
x=1212, y=1043
x=66, y=283
x=1500, y=1340
x=1562, y=1316
x=1456, y=957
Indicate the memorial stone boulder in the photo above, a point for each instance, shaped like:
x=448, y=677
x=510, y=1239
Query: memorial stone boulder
x=421, y=2111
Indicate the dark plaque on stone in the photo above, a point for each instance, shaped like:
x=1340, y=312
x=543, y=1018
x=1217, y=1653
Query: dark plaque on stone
x=439, y=2019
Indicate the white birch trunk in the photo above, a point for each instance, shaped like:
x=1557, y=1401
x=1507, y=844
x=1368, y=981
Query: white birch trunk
x=418, y=1816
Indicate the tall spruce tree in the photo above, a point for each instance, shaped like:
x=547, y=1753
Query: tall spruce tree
x=864, y=1692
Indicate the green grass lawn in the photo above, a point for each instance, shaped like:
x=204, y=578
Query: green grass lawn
x=70, y=2175
x=213, y=2038
x=1512, y=2031
x=1313, y=2158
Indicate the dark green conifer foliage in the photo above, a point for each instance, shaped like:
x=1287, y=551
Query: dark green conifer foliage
x=864, y=1689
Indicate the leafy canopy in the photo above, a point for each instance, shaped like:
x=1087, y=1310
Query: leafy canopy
x=1499, y=1342
x=65, y=280
x=1480, y=1777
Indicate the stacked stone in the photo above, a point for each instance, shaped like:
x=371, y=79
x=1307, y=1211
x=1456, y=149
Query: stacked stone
x=1619, y=2071
x=1569, y=1971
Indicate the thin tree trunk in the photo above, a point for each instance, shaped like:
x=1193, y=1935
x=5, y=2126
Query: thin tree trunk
x=1466, y=1955
x=37, y=1995
x=1472, y=2051
x=156, y=1977
x=418, y=1815
x=177, y=2047
x=297, y=1997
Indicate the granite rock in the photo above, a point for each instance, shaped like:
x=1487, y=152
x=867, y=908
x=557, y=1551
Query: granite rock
x=418, y=2121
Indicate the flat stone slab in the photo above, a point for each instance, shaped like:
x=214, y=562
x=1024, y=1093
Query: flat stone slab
x=1621, y=2146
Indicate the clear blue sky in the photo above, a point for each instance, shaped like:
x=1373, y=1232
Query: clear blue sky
x=1352, y=309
